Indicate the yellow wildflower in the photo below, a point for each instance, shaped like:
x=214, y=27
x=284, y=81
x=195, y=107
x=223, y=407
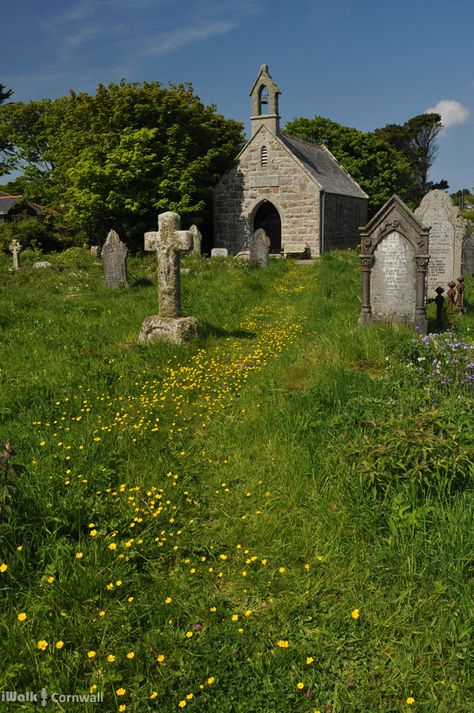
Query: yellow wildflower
x=21, y=616
x=42, y=645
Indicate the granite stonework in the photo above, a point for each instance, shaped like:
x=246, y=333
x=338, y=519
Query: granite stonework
x=168, y=243
x=394, y=258
x=448, y=229
x=259, y=248
x=197, y=239
x=468, y=256
x=114, y=260
x=15, y=248
x=315, y=201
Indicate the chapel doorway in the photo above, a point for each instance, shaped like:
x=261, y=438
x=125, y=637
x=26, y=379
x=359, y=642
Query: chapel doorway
x=268, y=218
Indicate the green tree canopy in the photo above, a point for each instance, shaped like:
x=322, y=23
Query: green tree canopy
x=379, y=168
x=117, y=158
x=5, y=145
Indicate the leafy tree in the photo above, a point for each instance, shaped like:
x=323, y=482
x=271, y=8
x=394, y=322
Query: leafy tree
x=5, y=145
x=116, y=158
x=380, y=169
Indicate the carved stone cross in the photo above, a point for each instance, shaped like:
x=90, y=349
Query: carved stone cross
x=168, y=243
x=15, y=247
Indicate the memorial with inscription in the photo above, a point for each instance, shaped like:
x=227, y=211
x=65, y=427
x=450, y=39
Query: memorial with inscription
x=259, y=247
x=294, y=190
x=394, y=258
x=448, y=230
x=114, y=260
x=468, y=256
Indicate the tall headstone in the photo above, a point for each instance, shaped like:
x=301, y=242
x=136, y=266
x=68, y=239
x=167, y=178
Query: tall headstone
x=394, y=257
x=168, y=244
x=448, y=230
x=259, y=245
x=15, y=247
x=114, y=260
x=468, y=255
x=197, y=239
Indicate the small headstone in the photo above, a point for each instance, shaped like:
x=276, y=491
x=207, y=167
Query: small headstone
x=219, y=252
x=42, y=265
x=95, y=250
x=197, y=239
x=168, y=243
x=243, y=255
x=394, y=257
x=468, y=256
x=448, y=230
x=15, y=247
x=259, y=244
x=114, y=260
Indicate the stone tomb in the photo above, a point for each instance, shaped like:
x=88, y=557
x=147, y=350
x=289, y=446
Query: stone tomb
x=114, y=260
x=168, y=243
x=394, y=257
x=448, y=230
x=259, y=244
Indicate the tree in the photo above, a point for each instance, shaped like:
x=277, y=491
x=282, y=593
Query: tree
x=416, y=140
x=5, y=145
x=380, y=169
x=116, y=158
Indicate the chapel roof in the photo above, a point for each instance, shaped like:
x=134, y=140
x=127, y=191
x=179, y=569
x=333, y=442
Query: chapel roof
x=8, y=201
x=324, y=168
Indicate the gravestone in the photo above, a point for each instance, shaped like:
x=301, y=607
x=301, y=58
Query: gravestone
x=114, y=260
x=15, y=247
x=394, y=258
x=41, y=265
x=95, y=250
x=259, y=245
x=168, y=243
x=219, y=252
x=468, y=256
x=447, y=232
x=197, y=239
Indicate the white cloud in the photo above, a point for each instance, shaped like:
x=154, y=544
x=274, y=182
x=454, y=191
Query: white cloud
x=169, y=42
x=452, y=112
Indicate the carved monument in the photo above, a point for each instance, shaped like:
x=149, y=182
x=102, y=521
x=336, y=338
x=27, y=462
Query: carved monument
x=15, y=247
x=259, y=244
x=114, y=260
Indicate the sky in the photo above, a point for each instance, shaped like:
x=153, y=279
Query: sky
x=361, y=63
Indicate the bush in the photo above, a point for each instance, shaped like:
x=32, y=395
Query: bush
x=31, y=233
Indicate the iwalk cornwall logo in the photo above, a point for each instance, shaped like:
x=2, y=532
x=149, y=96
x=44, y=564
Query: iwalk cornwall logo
x=44, y=697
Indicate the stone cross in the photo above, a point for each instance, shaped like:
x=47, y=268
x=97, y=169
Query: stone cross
x=168, y=243
x=197, y=239
x=259, y=245
x=15, y=247
x=114, y=254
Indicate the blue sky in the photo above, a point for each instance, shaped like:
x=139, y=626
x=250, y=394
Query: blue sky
x=361, y=63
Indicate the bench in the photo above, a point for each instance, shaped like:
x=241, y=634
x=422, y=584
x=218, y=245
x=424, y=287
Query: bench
x=296, y=249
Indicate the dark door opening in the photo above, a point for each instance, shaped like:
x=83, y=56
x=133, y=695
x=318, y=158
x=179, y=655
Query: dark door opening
x=268, y=218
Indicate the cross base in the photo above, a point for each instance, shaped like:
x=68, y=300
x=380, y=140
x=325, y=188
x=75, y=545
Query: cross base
x=170, y=329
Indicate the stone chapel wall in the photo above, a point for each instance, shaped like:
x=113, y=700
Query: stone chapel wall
x=343, y=215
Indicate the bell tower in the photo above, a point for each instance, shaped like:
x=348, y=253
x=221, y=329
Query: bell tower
x=264, y=94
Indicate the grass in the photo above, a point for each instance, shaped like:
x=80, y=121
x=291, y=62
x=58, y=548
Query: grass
x=275, y=518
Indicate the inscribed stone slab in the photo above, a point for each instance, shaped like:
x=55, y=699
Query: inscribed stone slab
x=394, y=279
x=259, y=244
x=114, y=257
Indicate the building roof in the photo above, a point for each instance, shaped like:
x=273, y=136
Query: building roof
x=7, y=202
x=325, y=169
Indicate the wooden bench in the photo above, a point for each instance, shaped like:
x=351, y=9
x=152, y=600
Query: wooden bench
x=296, y=249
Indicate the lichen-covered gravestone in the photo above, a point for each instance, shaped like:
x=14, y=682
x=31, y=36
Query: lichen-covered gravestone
x=197, y=239
x=259, y=245
x=448, y=230
x=168, y=243
x=114, y=260
x=15, y=247
x=394, y=257
x=468, y=256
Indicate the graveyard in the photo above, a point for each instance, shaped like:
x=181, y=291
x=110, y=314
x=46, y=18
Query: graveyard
x=273, y=515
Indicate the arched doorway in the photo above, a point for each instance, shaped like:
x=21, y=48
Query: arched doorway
x=268, y=218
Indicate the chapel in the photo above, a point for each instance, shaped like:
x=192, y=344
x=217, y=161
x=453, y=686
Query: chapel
x=295, y=190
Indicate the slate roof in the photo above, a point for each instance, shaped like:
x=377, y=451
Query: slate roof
x=8, y=201
x=322, y=165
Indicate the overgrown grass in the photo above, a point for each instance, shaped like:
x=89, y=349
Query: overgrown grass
x=275, y=518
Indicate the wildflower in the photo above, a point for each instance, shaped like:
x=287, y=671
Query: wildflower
x=130, y=599
x=93, y=533
x=168, y=600
x=410, y=701
x=51, y=579
x=213, y=609
x=189, y=634
x=248, y=612
x=190, y=696
x=118, y=582
x=282, y=569
x=91, y=654
x=153, y=694
x=309, y=659
x=110, y=658
x=102, y=614
x=122, y=707
x=130, y=655
x=182, y=704
x=59, y=644
x=283, y=644
x=235, y=617
x=42, y=645
x=79, y=555
x=355, y=614
x=300, y=685
x=3, y=567
x=21, y=616
x=160, y=658
x=112, y=546
x=120, y=691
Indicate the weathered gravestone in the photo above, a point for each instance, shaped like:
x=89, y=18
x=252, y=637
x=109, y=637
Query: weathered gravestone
x=468, y=255
x=394, y=257
x=114, y=260
x=95, y=250
x=259, y=245
x=219, y=252
x=197, y=239
x=168, y=243
x=447, y=232
x=15, y=247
